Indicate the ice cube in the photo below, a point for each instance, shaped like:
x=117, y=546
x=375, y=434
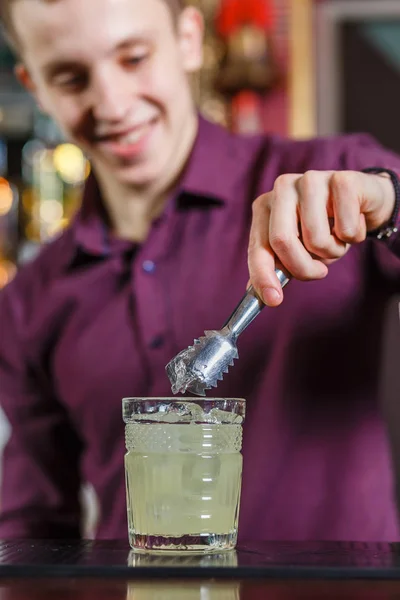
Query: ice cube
x=216, y=415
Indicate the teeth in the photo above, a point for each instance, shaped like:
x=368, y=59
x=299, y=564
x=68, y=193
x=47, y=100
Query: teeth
x=133, y=136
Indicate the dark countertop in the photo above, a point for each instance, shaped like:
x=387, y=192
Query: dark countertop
x=109, y=570
x=113, y=559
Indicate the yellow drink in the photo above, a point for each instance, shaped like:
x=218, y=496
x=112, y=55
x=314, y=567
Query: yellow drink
x=183, y=485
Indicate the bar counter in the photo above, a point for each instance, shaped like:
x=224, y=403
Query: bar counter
x=109, y=570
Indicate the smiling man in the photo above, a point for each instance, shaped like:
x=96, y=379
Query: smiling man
x=115, y=79
x=158, y=253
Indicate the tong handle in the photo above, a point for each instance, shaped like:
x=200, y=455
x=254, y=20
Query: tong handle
x=249, y=307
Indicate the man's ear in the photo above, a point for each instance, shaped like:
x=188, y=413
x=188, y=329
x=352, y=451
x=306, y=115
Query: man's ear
x=23, y=76
x=190, y=33
x=25, y=79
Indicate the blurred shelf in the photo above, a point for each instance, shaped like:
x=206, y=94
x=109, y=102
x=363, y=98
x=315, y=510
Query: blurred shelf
x=16, y=113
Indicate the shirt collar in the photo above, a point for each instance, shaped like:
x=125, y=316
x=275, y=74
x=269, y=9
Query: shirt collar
x=209, y=172
x=90, y=225
x=210, y=176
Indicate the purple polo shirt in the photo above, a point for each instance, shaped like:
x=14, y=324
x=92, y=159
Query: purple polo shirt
x=93, y=320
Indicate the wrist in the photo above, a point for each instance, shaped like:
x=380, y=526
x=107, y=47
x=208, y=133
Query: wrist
x=390, y=221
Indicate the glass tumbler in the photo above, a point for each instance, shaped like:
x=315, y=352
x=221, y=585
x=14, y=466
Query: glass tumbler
x=183, y=470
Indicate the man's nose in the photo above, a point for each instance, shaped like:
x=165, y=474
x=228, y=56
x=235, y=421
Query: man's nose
x=111, y=99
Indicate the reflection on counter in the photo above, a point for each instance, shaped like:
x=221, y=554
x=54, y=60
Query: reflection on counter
x=223, y=559
x=267, y=589
x=183, y=590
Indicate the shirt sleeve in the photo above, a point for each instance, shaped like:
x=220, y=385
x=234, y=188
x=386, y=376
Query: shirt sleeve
x=40, y=481
x=363, y=152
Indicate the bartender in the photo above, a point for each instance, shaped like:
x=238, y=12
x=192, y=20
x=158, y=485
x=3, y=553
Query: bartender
x=176, y=218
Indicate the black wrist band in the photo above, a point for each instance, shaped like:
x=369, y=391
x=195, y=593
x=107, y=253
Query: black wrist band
x=389, y=228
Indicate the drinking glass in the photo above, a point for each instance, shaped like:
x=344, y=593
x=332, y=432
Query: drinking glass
x=183, y=471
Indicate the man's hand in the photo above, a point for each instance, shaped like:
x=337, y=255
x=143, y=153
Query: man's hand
x=307, y=221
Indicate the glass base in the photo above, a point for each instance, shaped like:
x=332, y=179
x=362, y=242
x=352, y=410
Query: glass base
x=185, y=544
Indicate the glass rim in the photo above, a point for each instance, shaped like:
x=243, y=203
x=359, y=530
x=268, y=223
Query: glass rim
x=140, y=405
x=181, y=398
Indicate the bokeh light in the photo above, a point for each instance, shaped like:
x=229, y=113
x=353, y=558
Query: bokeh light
x=6, y=196
x=70, y=163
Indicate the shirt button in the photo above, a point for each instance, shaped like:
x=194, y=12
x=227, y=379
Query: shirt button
x=149, y=266
x=157, y=342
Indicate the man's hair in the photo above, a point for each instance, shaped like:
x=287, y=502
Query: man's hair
x=6, y=23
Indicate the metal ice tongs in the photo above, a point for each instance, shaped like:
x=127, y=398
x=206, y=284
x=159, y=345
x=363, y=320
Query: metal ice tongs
x=199, y=367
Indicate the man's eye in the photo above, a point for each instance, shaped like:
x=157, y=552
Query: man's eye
x=136, y=60
x=70, y=82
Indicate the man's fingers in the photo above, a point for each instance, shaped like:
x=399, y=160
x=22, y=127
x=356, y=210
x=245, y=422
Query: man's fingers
x=314, y=194
x=346, y=195
x=261, y=259
x=310, y=220
x=284, y=235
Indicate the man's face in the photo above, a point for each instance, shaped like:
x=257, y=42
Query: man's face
x=113, y=75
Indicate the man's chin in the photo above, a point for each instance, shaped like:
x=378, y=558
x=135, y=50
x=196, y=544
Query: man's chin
x=127, y=175
x=139, y=178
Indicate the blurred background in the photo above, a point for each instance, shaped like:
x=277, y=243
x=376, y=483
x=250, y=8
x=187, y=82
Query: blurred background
x=297, y=68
